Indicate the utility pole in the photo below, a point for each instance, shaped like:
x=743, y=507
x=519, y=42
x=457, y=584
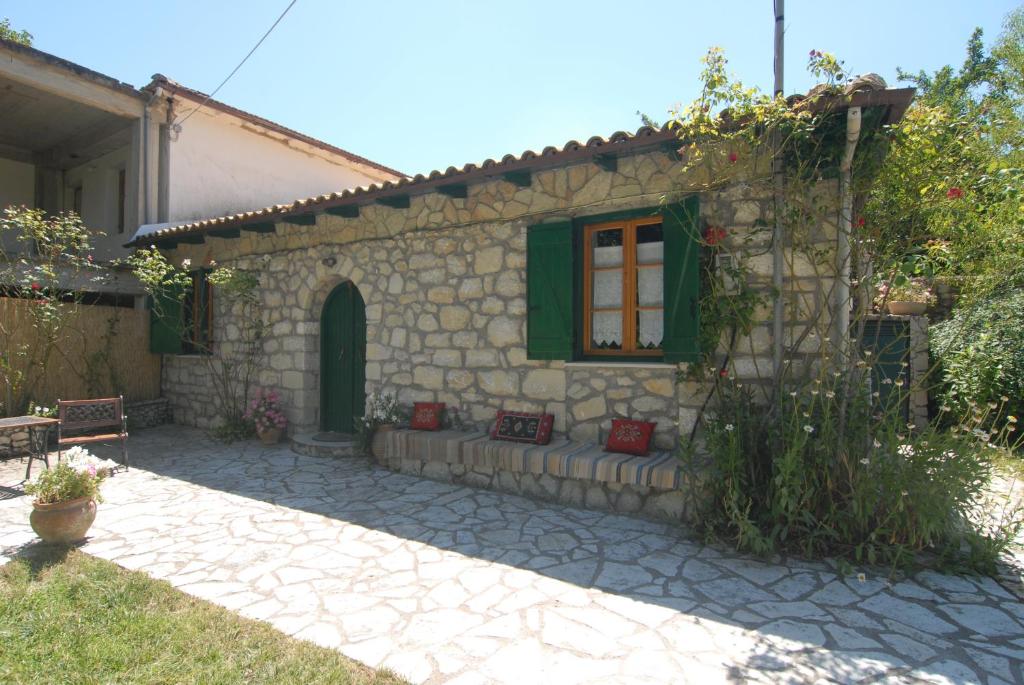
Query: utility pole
x=778, y=261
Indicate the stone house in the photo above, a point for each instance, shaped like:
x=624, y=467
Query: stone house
x=563, y=281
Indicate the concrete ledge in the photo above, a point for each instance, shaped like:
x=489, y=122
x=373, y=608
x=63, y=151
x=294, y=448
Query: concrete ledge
x=303, y=443
x=676, y=506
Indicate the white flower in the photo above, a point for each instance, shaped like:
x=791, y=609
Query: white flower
x=877, y=445
x=898, y=382
x=861, y=577
x=81, y=459
x=829, y=394
x=886, y=381
x=865, y=461
x=808, y=428
x=729, y=427
x=905, y=450
x=186, y=263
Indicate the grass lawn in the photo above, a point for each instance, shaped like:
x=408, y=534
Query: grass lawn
x=66, y=617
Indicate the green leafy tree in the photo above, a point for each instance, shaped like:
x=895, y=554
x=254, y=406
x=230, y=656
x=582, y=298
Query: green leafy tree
x=14, y=35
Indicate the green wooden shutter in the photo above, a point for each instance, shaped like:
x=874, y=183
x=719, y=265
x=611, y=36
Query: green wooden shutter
x=682, y=281
x=165, y=323
x=549, y=291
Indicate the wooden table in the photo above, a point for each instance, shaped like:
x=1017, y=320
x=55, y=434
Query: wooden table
x=38, y=428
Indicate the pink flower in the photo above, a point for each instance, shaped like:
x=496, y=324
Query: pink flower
x=35, y=285
x=733, y=157
x=955, y=193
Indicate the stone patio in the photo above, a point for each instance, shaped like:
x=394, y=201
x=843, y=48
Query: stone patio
x=447, y=584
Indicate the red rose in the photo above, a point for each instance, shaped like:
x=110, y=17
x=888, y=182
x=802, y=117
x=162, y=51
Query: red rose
x=35, y=286
x=733, y=157
x=954, y=193
x=860, y=222
x=723, y=373
x=714, y=235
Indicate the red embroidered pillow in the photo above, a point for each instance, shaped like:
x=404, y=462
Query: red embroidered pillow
x=426, y=416
x=523, y=427
x=630, y=437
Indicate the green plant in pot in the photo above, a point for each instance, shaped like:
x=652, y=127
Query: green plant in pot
x=905, y=296
x=382, y=416
x=266, y=415
x=66, y=495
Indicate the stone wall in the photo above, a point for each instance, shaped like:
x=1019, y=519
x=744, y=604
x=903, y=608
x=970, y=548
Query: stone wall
x=444, y=284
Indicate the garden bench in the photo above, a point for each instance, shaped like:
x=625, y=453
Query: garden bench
x=655, y=484
x=80, y=419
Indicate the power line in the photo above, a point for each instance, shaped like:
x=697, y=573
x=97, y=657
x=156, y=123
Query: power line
x=235, y=70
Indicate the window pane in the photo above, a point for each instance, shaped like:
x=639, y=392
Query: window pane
x=606, y=330
x=650, y=286
x=651, y=329
x=607, y=247
x=649, y=244
x=607, y=288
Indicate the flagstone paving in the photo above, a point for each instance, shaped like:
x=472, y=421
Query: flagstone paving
x=448, y=584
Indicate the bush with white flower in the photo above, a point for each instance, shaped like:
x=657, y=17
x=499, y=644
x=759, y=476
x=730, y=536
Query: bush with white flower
x=381, y=410
x=871, y=487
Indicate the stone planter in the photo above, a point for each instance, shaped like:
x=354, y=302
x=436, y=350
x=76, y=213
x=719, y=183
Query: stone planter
x=63, y=522
x=270, y=436
x=377, y=443
x=907, y=308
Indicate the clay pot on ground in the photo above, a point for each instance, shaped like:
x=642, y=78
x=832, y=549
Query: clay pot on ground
x=907, y=308
x=63, y=522
x=269, y=436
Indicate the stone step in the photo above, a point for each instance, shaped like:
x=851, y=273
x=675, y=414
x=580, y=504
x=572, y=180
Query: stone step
x=324, y=444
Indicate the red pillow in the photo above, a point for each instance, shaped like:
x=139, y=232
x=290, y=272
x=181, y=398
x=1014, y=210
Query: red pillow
x=630, y=437
x=518, y=426
x=426, y=416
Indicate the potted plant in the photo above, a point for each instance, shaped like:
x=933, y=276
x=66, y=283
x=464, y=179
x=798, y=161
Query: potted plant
x=906, y=296
x=266, y=415
x=66, y=495
x=382, y=415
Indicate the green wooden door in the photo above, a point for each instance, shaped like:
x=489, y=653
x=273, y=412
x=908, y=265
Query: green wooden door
x=342, y=359
x=889, y=342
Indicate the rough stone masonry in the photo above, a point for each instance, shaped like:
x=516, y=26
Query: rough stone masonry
x=444, y=283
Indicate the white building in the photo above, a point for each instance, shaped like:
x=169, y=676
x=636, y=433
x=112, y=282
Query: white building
x=122, y=157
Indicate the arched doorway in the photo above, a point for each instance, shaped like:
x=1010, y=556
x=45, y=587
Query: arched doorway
x=342, y=359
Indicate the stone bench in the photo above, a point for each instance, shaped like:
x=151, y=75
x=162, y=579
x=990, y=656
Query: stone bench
x=576, y=473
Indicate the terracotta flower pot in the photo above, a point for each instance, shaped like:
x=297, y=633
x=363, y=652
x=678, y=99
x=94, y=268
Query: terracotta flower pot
x=907, y=308
x=269, y=436
x=63, y=522
x=379, y=440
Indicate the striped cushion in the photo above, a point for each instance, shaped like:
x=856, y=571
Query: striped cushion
x=561, y=457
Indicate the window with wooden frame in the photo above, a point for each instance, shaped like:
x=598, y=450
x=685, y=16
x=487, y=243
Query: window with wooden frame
x=615, y=287
x=623, y=288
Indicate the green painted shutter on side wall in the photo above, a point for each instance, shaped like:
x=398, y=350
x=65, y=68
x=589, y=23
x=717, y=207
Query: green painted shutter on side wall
x=680, y=224
x=165, y=324
x=549, y=291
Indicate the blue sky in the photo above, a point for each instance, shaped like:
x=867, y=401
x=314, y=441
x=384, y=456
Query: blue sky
x=432, y=83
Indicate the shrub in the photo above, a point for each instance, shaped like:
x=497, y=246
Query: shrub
x=981, y=353
x=831, y=472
